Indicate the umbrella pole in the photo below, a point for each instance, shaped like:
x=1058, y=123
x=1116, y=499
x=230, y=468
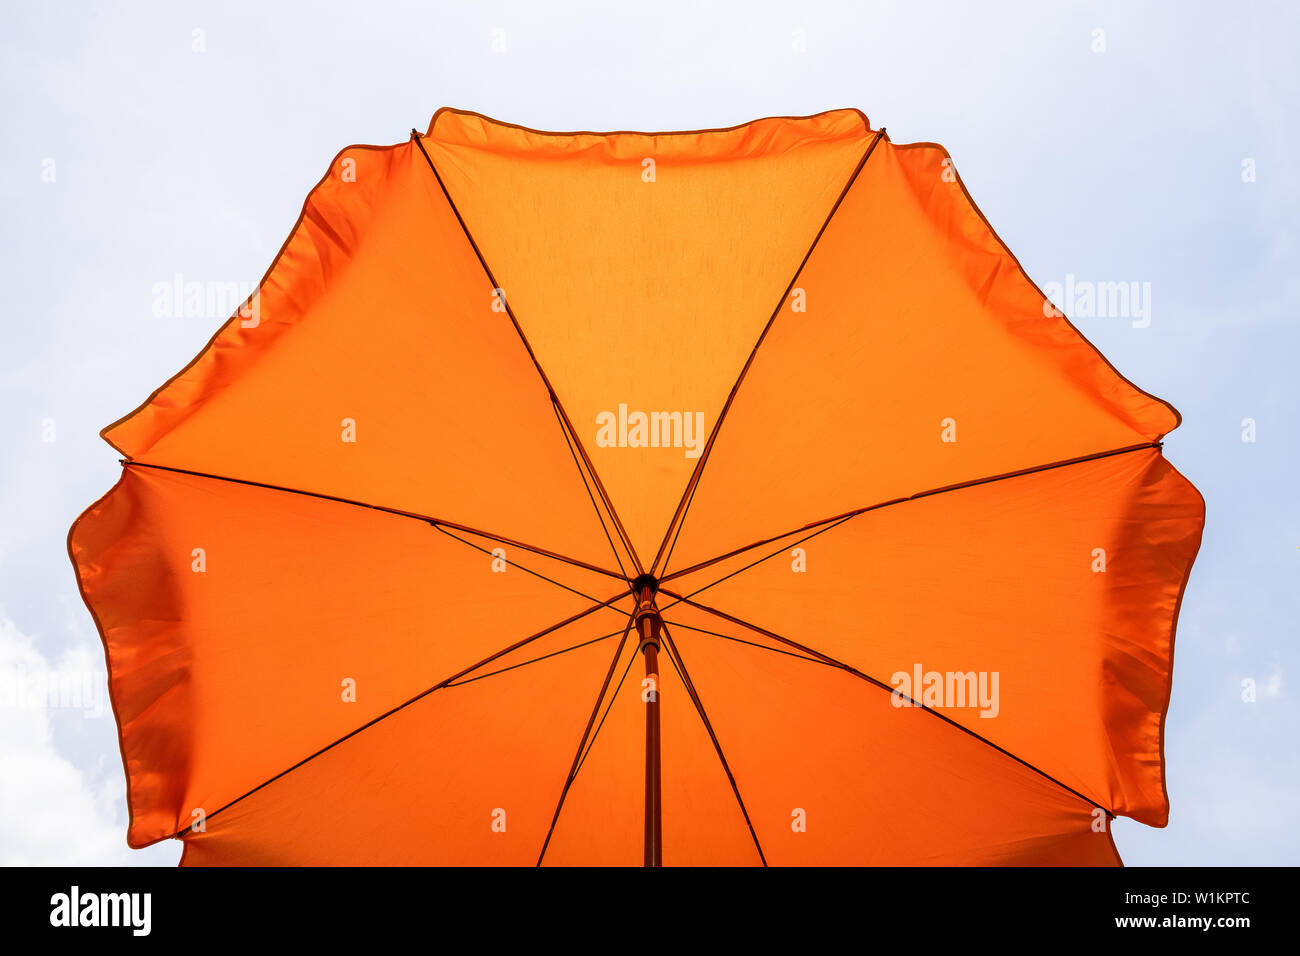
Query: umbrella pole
x=648, y=624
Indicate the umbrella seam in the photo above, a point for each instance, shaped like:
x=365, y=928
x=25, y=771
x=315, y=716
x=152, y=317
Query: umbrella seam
x=591, y=497
x=447, y=682
x=685, y=677
x=515, y=564
x=930, y=492
x=555, y=399
x=739, y=640
x=439, y=523
x=891, y=690
x=535, y=660
x=608, y=707
x=688, y=493
x=578, y=756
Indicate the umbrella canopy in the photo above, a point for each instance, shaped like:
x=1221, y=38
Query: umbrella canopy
x=722, y=497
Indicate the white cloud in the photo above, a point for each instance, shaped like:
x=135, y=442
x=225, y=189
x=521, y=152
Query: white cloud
x=51, y=811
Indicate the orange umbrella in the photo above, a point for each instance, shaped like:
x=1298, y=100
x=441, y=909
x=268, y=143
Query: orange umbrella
x=516, y=419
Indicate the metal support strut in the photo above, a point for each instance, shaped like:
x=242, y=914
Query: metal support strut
x=648, y=624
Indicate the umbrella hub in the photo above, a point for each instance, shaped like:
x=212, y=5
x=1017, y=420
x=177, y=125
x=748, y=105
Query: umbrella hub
x=643, y=582
x=647, y=619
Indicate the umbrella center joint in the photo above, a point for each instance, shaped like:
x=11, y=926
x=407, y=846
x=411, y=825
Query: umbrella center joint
x=647, y=619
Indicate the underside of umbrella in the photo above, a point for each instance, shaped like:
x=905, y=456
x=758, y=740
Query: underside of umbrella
x=720, y=497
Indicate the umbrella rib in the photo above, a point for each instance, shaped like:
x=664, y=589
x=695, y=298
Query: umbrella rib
x=891, y=690
x=675, y=657
x=840, y=518
x=836, y=523
x=688, y=494
x=536, y=574
x=608, y=707
x=571, y=436
x=577, y=757
x=563, y=650
x=741, y=640
x=591, y=497
x=438, y=523
x=447, y=682
x=566, y=423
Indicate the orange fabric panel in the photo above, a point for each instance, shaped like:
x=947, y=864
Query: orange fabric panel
x=645, y=294
x=378, y=312
x=877, y=785
x=916, y=314
x=225, y=677
x=999, y=578
x=602, y=822
x=425, y=786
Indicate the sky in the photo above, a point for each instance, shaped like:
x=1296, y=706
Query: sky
x=1149, y=143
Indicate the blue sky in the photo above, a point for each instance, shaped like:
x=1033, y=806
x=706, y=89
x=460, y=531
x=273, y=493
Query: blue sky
x=1110, y=157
